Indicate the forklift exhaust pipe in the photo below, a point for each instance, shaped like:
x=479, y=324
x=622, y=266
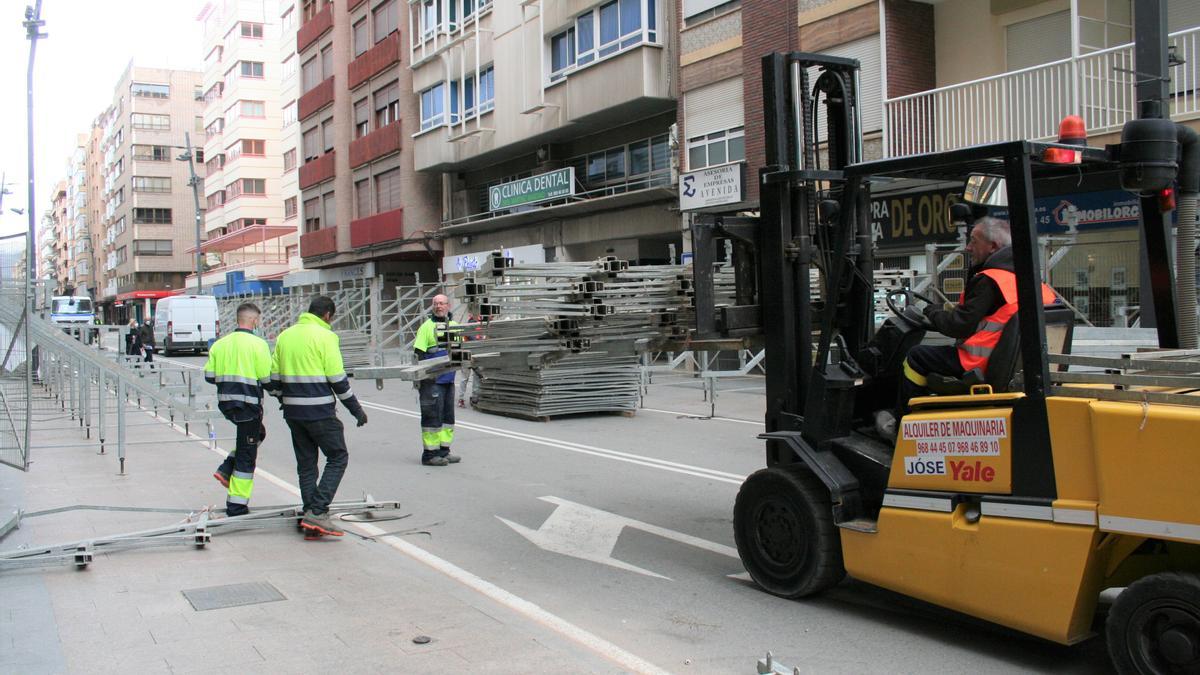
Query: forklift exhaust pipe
x=1185, y=238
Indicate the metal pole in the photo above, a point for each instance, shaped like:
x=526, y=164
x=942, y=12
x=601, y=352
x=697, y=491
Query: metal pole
x=195, y=183
x=33, y=24
x=121, y=402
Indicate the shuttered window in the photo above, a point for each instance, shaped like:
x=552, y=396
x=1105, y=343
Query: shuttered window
x=714, y=107
x=1037, y=41
x=1182, y=15
x=387, y=190
x=870, y=82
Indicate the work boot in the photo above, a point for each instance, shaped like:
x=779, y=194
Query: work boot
x=885, y=424
x=322, y=524
x=436, y=461
x=453, y=459
x=222, y=479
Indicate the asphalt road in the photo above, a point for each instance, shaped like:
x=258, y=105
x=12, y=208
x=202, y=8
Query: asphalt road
x=623, y=527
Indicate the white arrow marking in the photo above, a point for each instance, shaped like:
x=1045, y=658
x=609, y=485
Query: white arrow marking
x=591, y=534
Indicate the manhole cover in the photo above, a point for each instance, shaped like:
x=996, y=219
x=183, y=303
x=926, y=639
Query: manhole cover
x=233, y=595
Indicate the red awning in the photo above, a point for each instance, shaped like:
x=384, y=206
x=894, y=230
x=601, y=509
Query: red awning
x=247, y=236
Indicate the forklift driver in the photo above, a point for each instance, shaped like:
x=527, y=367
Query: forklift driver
x=976, y=322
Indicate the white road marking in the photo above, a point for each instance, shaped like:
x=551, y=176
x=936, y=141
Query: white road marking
x=703, y=416
x=591, y=534
x=529, y=610
x=641, y=460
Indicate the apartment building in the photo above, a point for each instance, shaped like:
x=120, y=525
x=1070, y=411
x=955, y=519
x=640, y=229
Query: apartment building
x=84, y=231
x=289, y=133
x=57, y=254
x=549, y=125
x=149, y=214
x=361, y=199
x=940, y=76
x=247, y=238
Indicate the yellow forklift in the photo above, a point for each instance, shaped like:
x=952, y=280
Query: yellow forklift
x=1018, y=495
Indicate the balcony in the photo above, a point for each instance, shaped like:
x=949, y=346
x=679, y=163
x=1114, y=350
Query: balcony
x=1029, y=103
x=316, y=98
x=375, y=60
x=382, y=141
x=314, y=28
x=352, y=5
x=321, y=242
x=377, y=229
x=317, y=171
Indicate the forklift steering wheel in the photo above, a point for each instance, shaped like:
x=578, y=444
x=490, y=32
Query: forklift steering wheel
x=909, y=314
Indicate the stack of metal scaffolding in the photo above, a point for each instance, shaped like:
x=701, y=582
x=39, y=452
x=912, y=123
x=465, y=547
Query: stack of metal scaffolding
x=563, y=338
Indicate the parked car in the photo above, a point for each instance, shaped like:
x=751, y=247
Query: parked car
x=186, y=322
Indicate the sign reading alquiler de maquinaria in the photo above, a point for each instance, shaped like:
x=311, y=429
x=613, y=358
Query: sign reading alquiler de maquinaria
x=539, y=188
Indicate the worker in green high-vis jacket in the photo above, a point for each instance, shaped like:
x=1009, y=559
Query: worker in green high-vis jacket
x=240, y=365
x=436, y=393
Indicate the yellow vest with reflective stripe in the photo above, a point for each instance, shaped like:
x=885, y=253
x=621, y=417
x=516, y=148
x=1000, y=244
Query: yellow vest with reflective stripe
x=307, y=371
x=240, y=365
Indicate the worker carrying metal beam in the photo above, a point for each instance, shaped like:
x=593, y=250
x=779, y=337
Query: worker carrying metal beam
x=436, y=393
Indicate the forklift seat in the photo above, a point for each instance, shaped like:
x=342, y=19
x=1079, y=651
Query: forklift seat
x=1005, y=361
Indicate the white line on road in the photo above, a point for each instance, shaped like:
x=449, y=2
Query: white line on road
x=641, y=460
x=529, y=610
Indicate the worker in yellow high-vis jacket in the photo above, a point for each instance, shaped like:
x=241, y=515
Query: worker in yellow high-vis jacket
x=240, y=365
x=307, y=373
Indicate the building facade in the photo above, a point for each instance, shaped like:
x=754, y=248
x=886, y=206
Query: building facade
x=941, y=76
x=247, y=238
x=150, y=217
x=549, y=124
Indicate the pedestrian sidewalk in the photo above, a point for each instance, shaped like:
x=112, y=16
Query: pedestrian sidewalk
x=350, y=605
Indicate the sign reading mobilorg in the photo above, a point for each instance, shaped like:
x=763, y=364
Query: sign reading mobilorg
x=539, y=188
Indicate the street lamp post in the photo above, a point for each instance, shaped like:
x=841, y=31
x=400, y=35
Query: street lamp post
x=190, y=157
x=33, y=32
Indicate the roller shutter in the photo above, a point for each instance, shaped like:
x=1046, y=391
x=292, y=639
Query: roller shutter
x=713, y=107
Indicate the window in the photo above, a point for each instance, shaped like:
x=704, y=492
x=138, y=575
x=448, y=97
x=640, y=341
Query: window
x=148, y=121
x=310, y=143
x=213, y=57
x=150, y=90
x=362, y=118
x=248, y=222
x=330, y=210
x=152, y=153
x=289, y=208
x=216, y=200
x=199, y=125
x=143, y=216
x=254, y=109
x=599, y=33
x=433, y=110
x=716, y=148
x=199, y=155
x=233, y=190
x=362, y=198
x=288, y=21
x=215, y=128
x=326, y=62
x=387, y=191
x=487, y=89
x=310, y=74
x=215, y=163
x=289, y=160
x=214, y=92
x=310, y=9
x=252, y=69
x=647, y=159
x=386, y=18
x=254, y=186
x=387, y=105
x=707, y=9
x=122, y=255
x=152, y=247
x=289, y=114
x=312, y=214
x=252, y=30
x=360, y=35
x=327, y=133
x=256, y=147
x=289, y=66
x=151, y=184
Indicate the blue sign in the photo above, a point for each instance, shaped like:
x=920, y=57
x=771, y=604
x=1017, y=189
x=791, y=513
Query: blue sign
x=1087, y=210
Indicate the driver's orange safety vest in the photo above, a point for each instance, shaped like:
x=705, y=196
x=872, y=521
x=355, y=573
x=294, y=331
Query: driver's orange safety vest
x=975, y=351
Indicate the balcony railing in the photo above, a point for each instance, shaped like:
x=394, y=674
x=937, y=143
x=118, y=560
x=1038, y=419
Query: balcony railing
x=314, y=28
x=314, y=99
x=1029, y=103
x=384, y=140
x=377, y=229
x=319, y=170
x=374, y=60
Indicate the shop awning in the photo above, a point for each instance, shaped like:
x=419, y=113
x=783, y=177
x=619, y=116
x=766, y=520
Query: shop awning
x=247, y=236
x=144, y=295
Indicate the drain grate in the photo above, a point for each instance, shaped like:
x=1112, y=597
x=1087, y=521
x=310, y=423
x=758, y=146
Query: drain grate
x=233, y=595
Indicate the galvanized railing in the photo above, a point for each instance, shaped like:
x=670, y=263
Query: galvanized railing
x=1029, y=103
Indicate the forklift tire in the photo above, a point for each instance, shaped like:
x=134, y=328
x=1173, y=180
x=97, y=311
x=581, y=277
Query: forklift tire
x=1154, y=625
x=783, y=526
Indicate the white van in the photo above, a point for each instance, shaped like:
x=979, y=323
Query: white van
x=186, y=322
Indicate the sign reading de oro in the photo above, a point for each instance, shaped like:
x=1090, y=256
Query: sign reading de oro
x=710, y=187
x=539, y=188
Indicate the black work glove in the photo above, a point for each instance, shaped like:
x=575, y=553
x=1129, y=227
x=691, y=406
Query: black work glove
x=361, y=417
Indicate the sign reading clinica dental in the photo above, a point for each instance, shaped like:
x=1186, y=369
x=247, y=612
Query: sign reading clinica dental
x=540, y=188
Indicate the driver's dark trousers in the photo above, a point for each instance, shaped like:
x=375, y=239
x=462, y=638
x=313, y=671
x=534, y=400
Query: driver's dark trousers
x=920, y=362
